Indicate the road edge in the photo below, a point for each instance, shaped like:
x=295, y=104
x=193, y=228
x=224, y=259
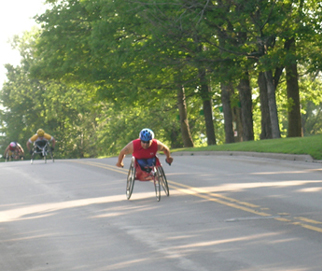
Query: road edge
x=279, y=156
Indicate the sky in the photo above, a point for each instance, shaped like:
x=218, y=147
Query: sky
x=15, y=18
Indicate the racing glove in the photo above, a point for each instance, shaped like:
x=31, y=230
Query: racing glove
x=169, y=160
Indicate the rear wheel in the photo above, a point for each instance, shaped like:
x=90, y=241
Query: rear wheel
x=51, y=155
x=157, y=186
x=163, y=180
x=130, y=179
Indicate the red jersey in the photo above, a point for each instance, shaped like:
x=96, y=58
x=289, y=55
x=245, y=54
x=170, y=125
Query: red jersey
x=140, y=153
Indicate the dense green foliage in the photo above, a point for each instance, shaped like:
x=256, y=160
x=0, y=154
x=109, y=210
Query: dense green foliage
x=97, y=72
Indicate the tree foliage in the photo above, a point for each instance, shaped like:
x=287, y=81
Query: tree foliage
x=99, y=71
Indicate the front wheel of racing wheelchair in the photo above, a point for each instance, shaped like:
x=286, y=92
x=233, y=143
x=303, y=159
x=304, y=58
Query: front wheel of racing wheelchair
x=163, y=180
x=130, y=179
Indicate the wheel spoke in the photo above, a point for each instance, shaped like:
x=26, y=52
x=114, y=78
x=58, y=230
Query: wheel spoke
x=163, y=180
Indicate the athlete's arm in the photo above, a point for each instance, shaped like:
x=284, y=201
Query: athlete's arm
x=28, y=144
x=50, y=138
x=5, y=152
x=128, y=149
x=53, y=142
x=31, y=140
x=165, y=149
x=20, y=149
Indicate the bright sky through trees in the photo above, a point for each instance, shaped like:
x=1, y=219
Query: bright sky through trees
x=15, y=18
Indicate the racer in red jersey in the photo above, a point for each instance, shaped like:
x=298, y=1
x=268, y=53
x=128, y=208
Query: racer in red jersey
x=144, y=149
x=15, y=150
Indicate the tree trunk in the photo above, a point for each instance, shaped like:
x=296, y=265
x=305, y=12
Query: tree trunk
x=227, y=110
x=266, y=127
x=293, y=94
x=272, y=104
x=293, y=97
x=184, y=123
x=245, y=97
x=207, y=107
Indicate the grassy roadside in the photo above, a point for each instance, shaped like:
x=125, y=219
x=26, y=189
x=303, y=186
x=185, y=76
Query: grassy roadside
x=311, y=145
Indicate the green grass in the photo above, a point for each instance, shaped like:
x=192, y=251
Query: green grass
x=311, y=145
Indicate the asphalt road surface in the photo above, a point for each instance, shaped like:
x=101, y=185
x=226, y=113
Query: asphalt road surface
x=223, y=213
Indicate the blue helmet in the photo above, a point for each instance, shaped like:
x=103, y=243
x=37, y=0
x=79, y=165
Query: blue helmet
x=146, y=134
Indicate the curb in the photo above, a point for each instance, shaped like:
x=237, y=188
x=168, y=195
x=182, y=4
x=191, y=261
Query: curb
x=279, y=156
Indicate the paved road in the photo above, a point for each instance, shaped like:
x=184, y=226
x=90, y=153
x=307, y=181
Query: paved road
x=224, y=213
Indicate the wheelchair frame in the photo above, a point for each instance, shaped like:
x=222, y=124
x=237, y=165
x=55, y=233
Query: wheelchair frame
x=12, y=156
x=43, y=150
x=156, y=175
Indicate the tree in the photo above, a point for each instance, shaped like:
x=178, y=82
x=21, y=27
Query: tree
x=121, y=59
x=57, y=108
x=127, y=51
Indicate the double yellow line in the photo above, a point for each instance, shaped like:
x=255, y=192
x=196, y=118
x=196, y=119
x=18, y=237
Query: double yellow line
x=227, y=201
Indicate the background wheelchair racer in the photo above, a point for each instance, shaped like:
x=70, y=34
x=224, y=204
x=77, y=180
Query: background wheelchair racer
x=40, y=138
x=14, y=150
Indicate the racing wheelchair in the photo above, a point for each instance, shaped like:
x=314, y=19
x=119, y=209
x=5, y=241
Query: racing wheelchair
x=42, y=148
x=156, y=175
x=10, y=155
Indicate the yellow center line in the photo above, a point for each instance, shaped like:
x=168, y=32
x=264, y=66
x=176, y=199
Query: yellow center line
x=308, y=220
x=312, y=228
x=214, y=197
x=97, y=164
x=191, y=191
x=199, y=190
